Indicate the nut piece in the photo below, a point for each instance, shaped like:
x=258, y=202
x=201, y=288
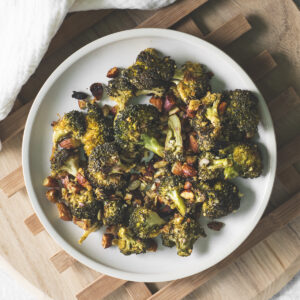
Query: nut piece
x=191, y=159
x=113, y=72
x=64, y=212
x=112, y=229
x=222, y=107
x=215, y=225
x=50, y=182
x=69, y=143
x=107, y=240
x=193, y=143
x=83, y=181
x=85, y=224
x=187, y=185
x=152, y=246
x=157, y=102
x=187, y=194
x=160, y=164
x=188, y=171
x=52, y=195
x=190, y=113
x=82, y=104
x=97, y=90
x=177, y=168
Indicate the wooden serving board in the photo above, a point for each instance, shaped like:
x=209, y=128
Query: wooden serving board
x=263, y=36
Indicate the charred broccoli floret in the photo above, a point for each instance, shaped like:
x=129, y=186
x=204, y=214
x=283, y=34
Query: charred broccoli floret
x=105, y=169
x=136, y=127
x=145, y=223
x=72, y=124
x=242, y=111
x=150, y=74
x=169, y=191
x=246, y=160
x=173, y=144
x=207, y=122
x=114, y=211
x=181, y=232
x=120, y=90
x=65, y=160
x=99, y=129
x=128, y=244
x=193, y=81
x=222, y=198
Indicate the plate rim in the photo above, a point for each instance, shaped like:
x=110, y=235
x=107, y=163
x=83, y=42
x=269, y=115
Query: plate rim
x=123, y=35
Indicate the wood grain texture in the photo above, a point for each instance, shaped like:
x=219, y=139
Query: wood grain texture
x=62, y=261
x=290, y=178
x=100, y=288
x=189, y=26
x=13, y=182
x=33, y=224
x=137, y=290
x=168, y=16
x=178, y=289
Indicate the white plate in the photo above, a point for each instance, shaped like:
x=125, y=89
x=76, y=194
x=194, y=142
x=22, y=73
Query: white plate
x=89, y=65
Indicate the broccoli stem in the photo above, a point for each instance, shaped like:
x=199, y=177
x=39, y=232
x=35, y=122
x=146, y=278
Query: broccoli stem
x=175, y=125
x=220, y=163
x=230, y=172
x=178, y=201
x=153, y=145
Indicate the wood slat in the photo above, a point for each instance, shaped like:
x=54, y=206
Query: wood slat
x=289, y=154
x=14, y=123
x=290, y=179
x=229, y=32
x=100, y=288
x=12, y=183
x=260, y=65
x=281, y=216
x=168, y=16
x=34, y=225
x=62, y=261
x=75, y=25
x=137, y=290
x=189, y=26
x=284, y=103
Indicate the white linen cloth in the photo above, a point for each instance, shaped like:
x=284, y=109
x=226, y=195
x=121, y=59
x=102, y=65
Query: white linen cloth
x=26, y=29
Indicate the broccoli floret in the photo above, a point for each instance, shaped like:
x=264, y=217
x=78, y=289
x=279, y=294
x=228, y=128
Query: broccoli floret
x=65, y=160
x=207, y=122
x=169, y=191
x=211, y=166
x=72, y=124
x=120, y=90
x=242, y=111
x=136, y=127
x=145, y=223
x=181, y=232
x=128, y=244
x=83, y=205
x=114, y=212
x=222, y=198
x=173, y=144
x=193, y=81
x=105, y=169
x=246, y=160
x=151, y=73
x=99, y=129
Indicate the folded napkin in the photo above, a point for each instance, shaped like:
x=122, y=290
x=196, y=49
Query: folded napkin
x=26, y=29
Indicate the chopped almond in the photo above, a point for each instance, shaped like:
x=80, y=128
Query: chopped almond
x=113, y=72
x=187, y=194
x=52, y=195
x=64, y=212
x=188, y=171
x=193, y=143
x=177, y=168
x=50, y=182
x=187, y=185
x=157, y=102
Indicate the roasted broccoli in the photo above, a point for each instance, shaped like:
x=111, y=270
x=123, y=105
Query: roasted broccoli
x=181, y=232
x=65, y=160
x=99, y=129
x=145, y=223
x=222, y=198
x=246, y=160
x=114, y=211
x=173, y=144
x=120, y=90
x=169, y=191
x=128, y=243
x=192, y=81
x=136, y=127
x=207, y=122
x=72, y=124
x=242, y=111
x=238, y=159
x=105, y=169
